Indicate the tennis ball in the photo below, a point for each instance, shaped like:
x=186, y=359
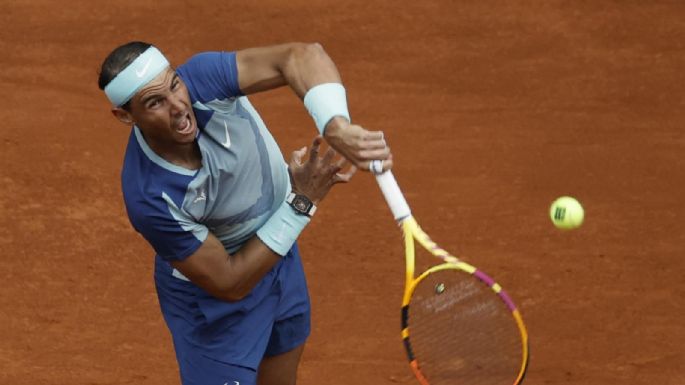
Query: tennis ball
x=566, y=213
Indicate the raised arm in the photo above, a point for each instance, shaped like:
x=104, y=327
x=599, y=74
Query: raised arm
x=303, y=67
x=299, y=65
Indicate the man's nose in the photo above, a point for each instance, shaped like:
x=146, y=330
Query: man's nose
x=177, y=104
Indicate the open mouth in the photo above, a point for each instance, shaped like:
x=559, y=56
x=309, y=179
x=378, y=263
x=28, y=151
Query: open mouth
x=184, y=126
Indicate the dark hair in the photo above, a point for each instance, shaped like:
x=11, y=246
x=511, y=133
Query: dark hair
x=119, y=59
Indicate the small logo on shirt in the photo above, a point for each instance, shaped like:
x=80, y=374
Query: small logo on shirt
x=201, y=197
x=227, y=143
x=234, y=383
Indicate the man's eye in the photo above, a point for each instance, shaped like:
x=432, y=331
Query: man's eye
x=175, y=85
x=153, y=103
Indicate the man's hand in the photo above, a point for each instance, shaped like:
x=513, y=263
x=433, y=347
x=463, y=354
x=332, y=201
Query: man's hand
x=314, y=177
x=357, y=144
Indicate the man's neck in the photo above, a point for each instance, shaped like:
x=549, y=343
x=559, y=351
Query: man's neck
x=186, y=155
x=183, y=155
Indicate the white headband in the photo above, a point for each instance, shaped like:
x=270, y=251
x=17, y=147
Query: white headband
x=132, y=78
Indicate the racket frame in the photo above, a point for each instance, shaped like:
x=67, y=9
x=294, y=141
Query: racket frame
x=412, y=232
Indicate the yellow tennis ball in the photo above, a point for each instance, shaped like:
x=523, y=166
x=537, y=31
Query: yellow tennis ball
x=566, y=213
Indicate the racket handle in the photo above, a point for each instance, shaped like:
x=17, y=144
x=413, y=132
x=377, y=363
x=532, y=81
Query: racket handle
x=393, y=195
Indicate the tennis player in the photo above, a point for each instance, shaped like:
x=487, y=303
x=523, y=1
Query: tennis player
x=206, y=185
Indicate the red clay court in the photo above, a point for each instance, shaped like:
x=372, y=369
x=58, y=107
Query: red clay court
x=493, y=109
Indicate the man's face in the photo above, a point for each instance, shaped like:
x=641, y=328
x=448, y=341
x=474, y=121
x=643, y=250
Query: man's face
x=162, y=110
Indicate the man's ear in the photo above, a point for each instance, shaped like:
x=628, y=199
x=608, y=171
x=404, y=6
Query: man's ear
x=123, y=116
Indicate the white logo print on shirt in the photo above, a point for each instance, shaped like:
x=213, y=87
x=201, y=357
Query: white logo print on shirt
x=201, y=197
x=227, y=143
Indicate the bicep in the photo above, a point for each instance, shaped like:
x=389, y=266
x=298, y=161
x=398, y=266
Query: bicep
x=260, y=69
x=299, y=65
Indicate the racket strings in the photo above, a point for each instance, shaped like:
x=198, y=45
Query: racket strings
x=461, y=332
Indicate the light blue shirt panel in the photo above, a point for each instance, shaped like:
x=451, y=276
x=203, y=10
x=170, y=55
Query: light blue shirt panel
x=243, y=178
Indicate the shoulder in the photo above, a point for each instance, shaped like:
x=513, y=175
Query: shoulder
x=211, y=75
x=149, y=185
x=151, y=200
x=209, y=60
x=155, y=208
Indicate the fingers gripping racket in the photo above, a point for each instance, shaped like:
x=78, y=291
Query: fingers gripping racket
x=458, y=325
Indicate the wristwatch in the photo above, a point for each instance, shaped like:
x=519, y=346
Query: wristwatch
x=301, y=204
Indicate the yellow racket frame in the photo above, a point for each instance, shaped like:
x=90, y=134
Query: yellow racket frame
x=412, y=231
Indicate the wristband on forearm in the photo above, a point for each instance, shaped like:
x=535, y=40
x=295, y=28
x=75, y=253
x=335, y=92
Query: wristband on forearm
x=326, y=101
x=280, y=232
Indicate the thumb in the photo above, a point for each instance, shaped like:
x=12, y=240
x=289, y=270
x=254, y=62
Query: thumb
x=298, y=155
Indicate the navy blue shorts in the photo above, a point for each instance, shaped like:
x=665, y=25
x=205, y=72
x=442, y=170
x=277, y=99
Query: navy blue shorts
x=220, y=342
x=197, y=369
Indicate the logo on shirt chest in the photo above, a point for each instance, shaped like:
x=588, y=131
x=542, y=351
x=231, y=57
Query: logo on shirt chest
x=226, y=143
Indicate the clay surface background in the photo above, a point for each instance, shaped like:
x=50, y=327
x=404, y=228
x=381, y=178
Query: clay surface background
x=492, y=109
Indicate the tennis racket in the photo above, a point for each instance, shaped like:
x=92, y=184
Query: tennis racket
x=458, y=325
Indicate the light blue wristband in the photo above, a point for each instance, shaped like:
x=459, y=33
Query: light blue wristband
x=326, y=101
x=280, y=232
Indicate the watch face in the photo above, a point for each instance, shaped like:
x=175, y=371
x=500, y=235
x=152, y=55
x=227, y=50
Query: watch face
x=301, y=204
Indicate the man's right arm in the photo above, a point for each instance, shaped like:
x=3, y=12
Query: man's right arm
x=303, y=67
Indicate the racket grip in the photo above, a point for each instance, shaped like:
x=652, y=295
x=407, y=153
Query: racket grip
x=391, y=191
